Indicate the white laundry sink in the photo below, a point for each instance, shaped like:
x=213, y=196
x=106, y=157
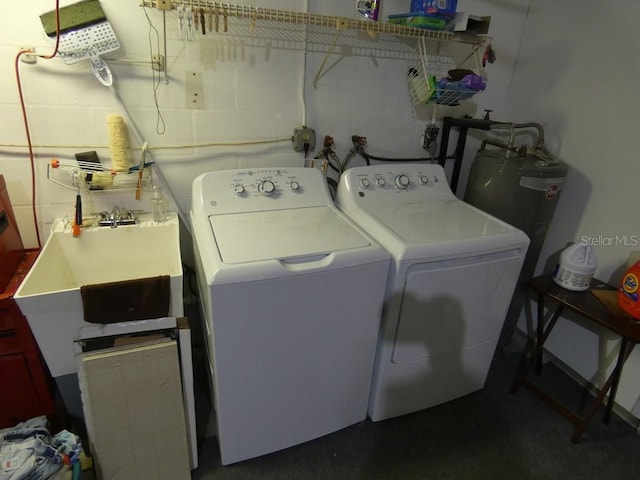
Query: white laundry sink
x=50, y=297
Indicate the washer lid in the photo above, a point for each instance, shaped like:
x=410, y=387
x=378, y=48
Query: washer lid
x=438, y=222
x=278, y=234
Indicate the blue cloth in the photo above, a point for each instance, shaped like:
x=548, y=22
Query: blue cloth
x=29, y=452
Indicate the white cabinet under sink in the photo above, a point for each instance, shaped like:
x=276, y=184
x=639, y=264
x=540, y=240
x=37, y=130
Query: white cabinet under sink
x=50, y=296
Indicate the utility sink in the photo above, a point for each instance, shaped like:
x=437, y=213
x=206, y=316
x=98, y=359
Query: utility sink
x=50, y=298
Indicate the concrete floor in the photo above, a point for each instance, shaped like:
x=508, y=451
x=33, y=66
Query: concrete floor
x=490, y=434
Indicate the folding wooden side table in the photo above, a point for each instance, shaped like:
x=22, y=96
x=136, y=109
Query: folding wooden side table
x=589, y=306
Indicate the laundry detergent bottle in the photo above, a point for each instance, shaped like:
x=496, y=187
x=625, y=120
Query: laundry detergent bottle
x=576, y=267
x=628, y=292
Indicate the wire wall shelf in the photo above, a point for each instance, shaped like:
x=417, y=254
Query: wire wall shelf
x=324, y=31
x=215, y=15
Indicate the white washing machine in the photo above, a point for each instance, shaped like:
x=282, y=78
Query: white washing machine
x=453, y=271
x=292, y=292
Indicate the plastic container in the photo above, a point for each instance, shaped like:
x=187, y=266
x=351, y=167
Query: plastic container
x=576, y=267
x=418, y=21
x=368, y=10
x=158, y=205
x=473, y=81
x=628, y=294
x=441, y=8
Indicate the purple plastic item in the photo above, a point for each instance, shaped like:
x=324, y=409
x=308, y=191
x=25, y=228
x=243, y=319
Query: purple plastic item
x=473, y=81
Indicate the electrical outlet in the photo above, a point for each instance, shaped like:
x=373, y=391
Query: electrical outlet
x=163, y=4
x=157, y=62
x=29, y=58
x=302, y=135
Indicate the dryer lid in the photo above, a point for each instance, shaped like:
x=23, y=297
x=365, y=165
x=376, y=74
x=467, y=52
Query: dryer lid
x=279, y=234
x=439, y=222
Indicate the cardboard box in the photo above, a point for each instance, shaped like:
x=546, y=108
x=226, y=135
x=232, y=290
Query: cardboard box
x=133, y=404
x=465, y=22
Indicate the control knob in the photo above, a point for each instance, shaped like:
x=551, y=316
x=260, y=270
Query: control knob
x=401, y=181
x=423, y=179
x=238, y=189
x=364, y=183
x=266, y=188
x=294, y=186
x=380, y=181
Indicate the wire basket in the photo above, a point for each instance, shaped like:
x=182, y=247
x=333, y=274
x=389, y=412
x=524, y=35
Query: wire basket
x=97, y=176
x=427, y=80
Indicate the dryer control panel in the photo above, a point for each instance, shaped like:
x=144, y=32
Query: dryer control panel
x=259, y=189
x=381, y=184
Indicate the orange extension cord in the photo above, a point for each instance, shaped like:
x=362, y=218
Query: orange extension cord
x=26, y=121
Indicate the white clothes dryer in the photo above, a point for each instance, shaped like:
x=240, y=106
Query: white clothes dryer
x=292, y=293
x=453, y=271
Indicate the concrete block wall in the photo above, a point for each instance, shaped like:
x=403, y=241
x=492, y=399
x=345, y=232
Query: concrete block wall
x=256, y=85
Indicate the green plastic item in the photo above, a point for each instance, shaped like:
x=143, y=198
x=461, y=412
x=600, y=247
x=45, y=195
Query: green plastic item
x=418, y=21
x=73, y=17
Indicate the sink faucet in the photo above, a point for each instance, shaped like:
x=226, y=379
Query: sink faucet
x=114, y=218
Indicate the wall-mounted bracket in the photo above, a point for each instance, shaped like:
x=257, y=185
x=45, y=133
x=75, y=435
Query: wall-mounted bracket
x=164, y=4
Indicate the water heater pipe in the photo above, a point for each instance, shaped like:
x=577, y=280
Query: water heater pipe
x=512, y=132
x=464, y=124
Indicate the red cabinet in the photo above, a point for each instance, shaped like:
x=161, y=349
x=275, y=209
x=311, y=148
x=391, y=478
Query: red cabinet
x=27, y=387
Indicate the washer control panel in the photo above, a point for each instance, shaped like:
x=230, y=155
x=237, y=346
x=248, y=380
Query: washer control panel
x=244, y=190
x=397, y=181
x=386, y=184
x=267, y=185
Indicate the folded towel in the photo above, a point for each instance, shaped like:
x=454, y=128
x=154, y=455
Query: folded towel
x=127, y=300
